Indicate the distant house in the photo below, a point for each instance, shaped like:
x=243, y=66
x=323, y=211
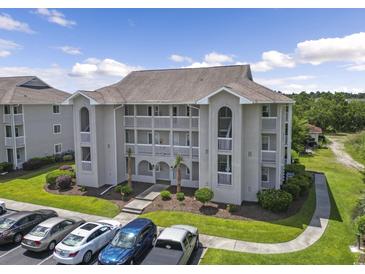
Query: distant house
x=314, y=133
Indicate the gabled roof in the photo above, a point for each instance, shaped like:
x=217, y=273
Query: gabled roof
x=29, y=90
x=314, y=129
x=185, y=86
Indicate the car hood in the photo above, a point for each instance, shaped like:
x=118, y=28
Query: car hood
x=112, y=254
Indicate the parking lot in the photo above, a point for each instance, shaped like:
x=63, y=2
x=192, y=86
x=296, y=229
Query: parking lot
x=12, y=254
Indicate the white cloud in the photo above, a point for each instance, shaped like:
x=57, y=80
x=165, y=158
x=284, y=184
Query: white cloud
x=213, y=59
x=284, y=81
x=70, y=50
x=92, y=66
x=356, y=68
x=273, y=59
x=6, y=46
x=9, y=23
x=179, y=58
x=350, y=48
x=56, y=17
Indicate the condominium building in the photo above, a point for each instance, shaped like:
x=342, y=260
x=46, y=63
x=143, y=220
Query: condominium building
x=234, y=134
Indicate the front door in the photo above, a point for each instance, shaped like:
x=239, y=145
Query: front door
x=10, y=155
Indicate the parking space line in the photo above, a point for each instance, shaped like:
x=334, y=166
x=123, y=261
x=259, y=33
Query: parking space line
x=11, y=250
x=46, y=259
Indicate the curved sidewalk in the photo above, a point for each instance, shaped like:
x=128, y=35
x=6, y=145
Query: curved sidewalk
x=310, y=235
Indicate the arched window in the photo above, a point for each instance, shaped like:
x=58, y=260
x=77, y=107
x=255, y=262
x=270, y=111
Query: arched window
x=84, y=120
x=225, y=122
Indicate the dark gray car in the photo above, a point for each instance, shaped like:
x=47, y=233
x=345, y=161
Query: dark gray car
x=14, y=226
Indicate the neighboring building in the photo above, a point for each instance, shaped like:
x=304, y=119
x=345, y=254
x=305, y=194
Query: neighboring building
x=234, y=134
x=314, y=133
x=34, y=124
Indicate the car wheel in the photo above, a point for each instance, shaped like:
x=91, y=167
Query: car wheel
x=17, y=238
x=196, y=244
x=154, y=240
x=132, y=262
x=87, y=257
x=51, y=246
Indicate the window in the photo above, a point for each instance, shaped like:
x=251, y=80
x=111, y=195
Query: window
x=57, y=148
x=225, y=122
x=265, y=111
x=149, y=137
x=18, y=109
x=150, y=167
x=265, y=174
x=157, y=111
x=56, y=129
x=158, y=167
x=128, y=110
x=7, y=109
x=187, y=139
x=18, y=155
x=187, y=111
x=84, y=120
x=149, y=111
x=8, y=131
x=56, y=109
x=158, y=139
x=265, y=142
x=18, y=132
x=187, y=171
x=129, y=136
x=85, y=154
x=174, y=111
x=224, y=163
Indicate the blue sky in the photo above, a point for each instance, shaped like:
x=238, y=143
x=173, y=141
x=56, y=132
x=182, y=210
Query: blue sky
x=289, y=50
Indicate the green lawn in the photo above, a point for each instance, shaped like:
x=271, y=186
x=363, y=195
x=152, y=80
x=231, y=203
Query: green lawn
x=345, y=186
x=355, y=146
x=254, y=231
x=29, y=188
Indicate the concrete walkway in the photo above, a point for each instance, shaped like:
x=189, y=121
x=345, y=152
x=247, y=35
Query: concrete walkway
x=310, y=235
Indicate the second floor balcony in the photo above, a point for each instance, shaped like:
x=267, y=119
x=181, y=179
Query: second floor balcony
x=162, y=122
x=8, y=118
x=268, y=124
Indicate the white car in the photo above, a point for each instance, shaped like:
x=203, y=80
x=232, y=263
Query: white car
x=2, y=208
x=81, y=244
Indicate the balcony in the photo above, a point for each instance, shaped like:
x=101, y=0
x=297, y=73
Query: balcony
x=18, y=118
x=7, y=118
x=162, y=122
x=268, y=156
x=181, y=122
x=182, y=150
x=85, y=137
x=224, y=178
x=163, y=150
x=195, y=152
x=144, y=121
x=269, y=124
x=267, y=185
x=9, y=141
x=195, y=122
x=224, y=143
x=19, y=141
x=144, y=149
x=128, y=121
x=86, y=165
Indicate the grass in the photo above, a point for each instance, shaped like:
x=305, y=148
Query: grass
x=355, y=146
x=345, y=185
x=28, y=187
x=246, y=230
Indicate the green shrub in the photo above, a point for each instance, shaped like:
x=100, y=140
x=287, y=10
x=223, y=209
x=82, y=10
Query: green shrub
x=118, y=188
x=294, y=156
x=275, y=200
x=180, y=196
x=67, y=158
x=126, y=190
x=64, y=182
x=291, y=188
x=302, y=181
x=65, y=167
x=360, y=224
x=232, y=208
x=165, y=195
x=83, y=188
x=204, y=195
x=6, y=167
x=52, y=176
x=295, y=168
x=38, y=162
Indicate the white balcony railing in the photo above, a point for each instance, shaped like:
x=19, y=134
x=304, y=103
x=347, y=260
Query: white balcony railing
x=181, y=122
x=144, y=149
x=144, y=122
x=19, y=141
x=7, y=118
x=9, y=141
x=268, y=156
x=195, y=152
x=224, y=178
x=162, y=122
x=164, y=150
x=18, y=118
x=85, y=137
x=195, y=122
x=268, y=185
x=182, y=150
x=224, y=143
x=128, y=121
x=86, y=165
x=269, y=124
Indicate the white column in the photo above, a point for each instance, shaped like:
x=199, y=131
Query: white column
x=288, y=159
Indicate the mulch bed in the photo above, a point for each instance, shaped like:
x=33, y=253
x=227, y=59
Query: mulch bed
x=111, y=195
x=247, y=211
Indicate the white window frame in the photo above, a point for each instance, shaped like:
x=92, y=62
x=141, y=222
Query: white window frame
x=54, y=148
x=156, y=110
x=175, y=111
x=18, y=107
x=5, y=106
x=17, y=154
x=11, y=131
x=187, y=139
x=267, y=174
x=59, y=109
x=16, y=130
x=157, y=138
x=127, y=133
x=268, y=142
x=54, y=129
x=150, y=167
x=149, y=110
x=148, y=138
x=268, y=110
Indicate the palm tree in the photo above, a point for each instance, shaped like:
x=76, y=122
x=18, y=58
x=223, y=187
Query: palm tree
x=130, y=167
x=178, y=161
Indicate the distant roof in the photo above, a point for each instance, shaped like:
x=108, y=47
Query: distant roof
x=185, y=85
x=29, y=90
x=314, y=129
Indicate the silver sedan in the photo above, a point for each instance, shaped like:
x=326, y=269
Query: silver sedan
x=49, y=233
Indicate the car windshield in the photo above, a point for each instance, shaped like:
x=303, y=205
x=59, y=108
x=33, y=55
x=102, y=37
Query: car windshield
x=6, y=223
x=39, y=231
x=72, y=240
x=124, y=240
x=168, y=244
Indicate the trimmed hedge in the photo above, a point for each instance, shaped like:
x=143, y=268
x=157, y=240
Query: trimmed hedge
x=6, y=167
x=297, y=169
x=67, y=158
x=360, y=224
x=204, y=195
x=165, y=195
x=126, y=190
x=303, y=182
x=52, y=176
x=291, y=188
x=275, y=200
x=64, y=182
x=38, y=162
x=180, y=196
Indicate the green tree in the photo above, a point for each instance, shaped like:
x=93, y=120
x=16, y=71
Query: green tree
x=177, y=165
x=300, y=133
